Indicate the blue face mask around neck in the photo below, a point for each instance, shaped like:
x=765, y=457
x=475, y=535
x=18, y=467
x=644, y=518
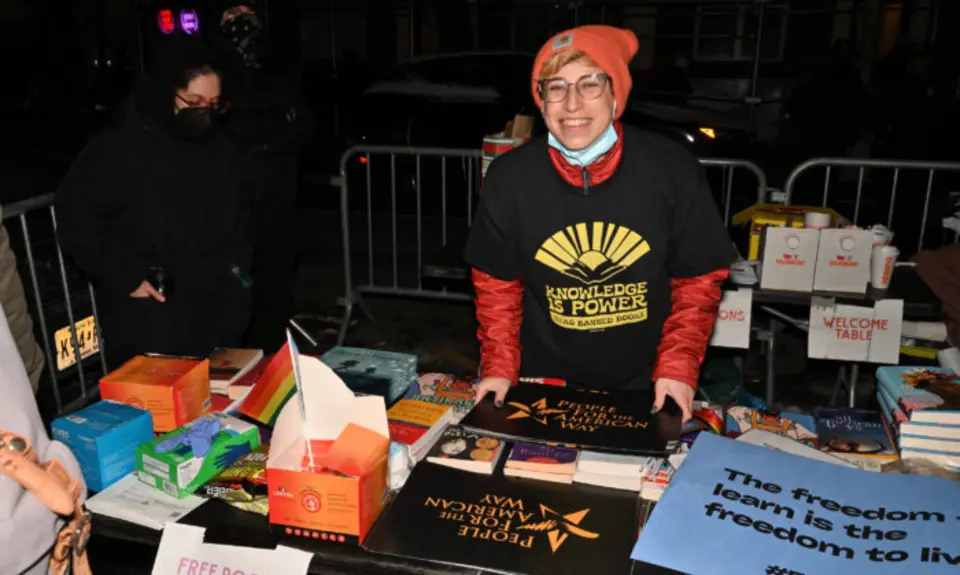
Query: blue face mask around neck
x=591, y=153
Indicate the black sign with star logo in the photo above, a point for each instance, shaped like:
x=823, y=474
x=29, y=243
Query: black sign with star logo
x=609, y=421
x=508, y=525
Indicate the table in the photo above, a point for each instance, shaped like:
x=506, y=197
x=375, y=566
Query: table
x=228, y=525
x=919, y=304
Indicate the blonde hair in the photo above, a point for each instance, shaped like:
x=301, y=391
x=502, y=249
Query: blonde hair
x=556, y=62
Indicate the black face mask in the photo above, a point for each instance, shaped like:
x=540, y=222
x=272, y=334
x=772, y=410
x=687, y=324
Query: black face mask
x=195, y=124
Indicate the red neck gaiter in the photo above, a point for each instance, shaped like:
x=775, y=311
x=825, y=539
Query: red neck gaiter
x=600, y=171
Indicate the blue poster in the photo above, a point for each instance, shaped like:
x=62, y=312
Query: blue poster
x=734, y=508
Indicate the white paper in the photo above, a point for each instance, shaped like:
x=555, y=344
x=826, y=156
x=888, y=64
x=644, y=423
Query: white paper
x=855, y=333
x=787, y=445
x=328, y=406
x=183, y=552
x=732, y=327
x=136, y=502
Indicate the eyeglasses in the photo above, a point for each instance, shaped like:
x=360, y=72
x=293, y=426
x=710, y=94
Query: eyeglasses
x=589, y=87
x=217, y=106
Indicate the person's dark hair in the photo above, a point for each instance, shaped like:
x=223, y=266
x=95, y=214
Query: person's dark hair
x=176, y=62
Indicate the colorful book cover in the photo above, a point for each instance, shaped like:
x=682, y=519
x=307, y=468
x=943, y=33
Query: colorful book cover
x=854, y=433
x=444, y=389
x=614, y=421
x=545, y=458
x=917, y=388
x=273, y=389
x=797, y=426
x=409, y=420
x=495, y=524
x=459, y=444
x=707, y=418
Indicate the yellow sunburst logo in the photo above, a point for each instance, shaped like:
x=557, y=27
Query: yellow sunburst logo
x=538, y=411
x=559, y=527
x=592, y=253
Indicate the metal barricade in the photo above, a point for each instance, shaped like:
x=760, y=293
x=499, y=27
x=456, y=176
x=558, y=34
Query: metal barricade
x=728, y=169
x=418, y=204
x=71, y=380
x=860, y=165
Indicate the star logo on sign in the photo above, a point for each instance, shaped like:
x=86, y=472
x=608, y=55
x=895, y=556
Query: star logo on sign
x=559, y=527
x=538, y=411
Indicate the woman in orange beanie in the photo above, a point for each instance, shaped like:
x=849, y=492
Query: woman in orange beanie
x=597, y=251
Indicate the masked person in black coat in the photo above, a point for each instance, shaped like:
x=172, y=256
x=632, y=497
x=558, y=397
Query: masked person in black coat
x=156, y=212
x=270, y=124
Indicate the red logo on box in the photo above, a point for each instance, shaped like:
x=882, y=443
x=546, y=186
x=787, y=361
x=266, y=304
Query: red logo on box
x=310, y=501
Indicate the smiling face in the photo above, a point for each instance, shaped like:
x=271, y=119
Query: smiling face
x=578, y=102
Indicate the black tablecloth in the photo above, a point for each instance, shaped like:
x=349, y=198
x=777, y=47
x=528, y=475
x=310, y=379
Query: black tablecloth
x=228, y=525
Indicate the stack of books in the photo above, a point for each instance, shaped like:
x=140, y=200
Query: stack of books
x=373, y=372
x=542, y=462
x=656, y=478
x=922, y=407
x=229, y=365
x=612, y=470
x=418, y=424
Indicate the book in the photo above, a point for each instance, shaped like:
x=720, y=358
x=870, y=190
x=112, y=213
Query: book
x=245, y=382
x=858, y=435
x=505, y=526
x=634, y=484
x=706, y=417
x=543, y=458
x=228, y=364
x=926, y=394
x=797, y=426
x=444, y=389
x=612, y=464
x=612, y=421
x=373, y=372
x=417, y=424
x=461, y=449
x=656, y=478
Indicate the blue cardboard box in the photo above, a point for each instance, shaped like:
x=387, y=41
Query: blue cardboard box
x=104, y=438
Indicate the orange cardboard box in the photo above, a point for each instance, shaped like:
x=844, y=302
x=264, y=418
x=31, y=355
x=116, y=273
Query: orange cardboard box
x=327, y=469
x=174, y=391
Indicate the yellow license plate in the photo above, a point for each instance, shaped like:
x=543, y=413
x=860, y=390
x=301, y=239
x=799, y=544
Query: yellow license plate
x=87, y=338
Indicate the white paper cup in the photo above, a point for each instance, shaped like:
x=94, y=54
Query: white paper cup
x=816, y=220
x=881, y=265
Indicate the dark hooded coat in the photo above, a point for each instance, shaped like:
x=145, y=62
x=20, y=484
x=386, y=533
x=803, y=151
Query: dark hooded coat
x=139, y=196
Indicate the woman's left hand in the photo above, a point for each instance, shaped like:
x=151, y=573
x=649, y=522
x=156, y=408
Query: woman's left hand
x=681, y=393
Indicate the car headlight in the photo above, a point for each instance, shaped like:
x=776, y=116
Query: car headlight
x=708, y=132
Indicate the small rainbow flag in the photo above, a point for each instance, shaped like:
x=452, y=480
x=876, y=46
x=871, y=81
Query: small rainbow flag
x=275, y=387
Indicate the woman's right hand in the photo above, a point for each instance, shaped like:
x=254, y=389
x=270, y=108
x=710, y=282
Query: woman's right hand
x=498, y=386
x=146, y=290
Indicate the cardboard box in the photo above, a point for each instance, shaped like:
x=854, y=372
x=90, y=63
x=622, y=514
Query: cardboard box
x=104, y=438
x=843, y=260
x=789, y=259
x=762, y=216
x=174, y=391
x=855, y=333
x=340, y=490
x=171, y=462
